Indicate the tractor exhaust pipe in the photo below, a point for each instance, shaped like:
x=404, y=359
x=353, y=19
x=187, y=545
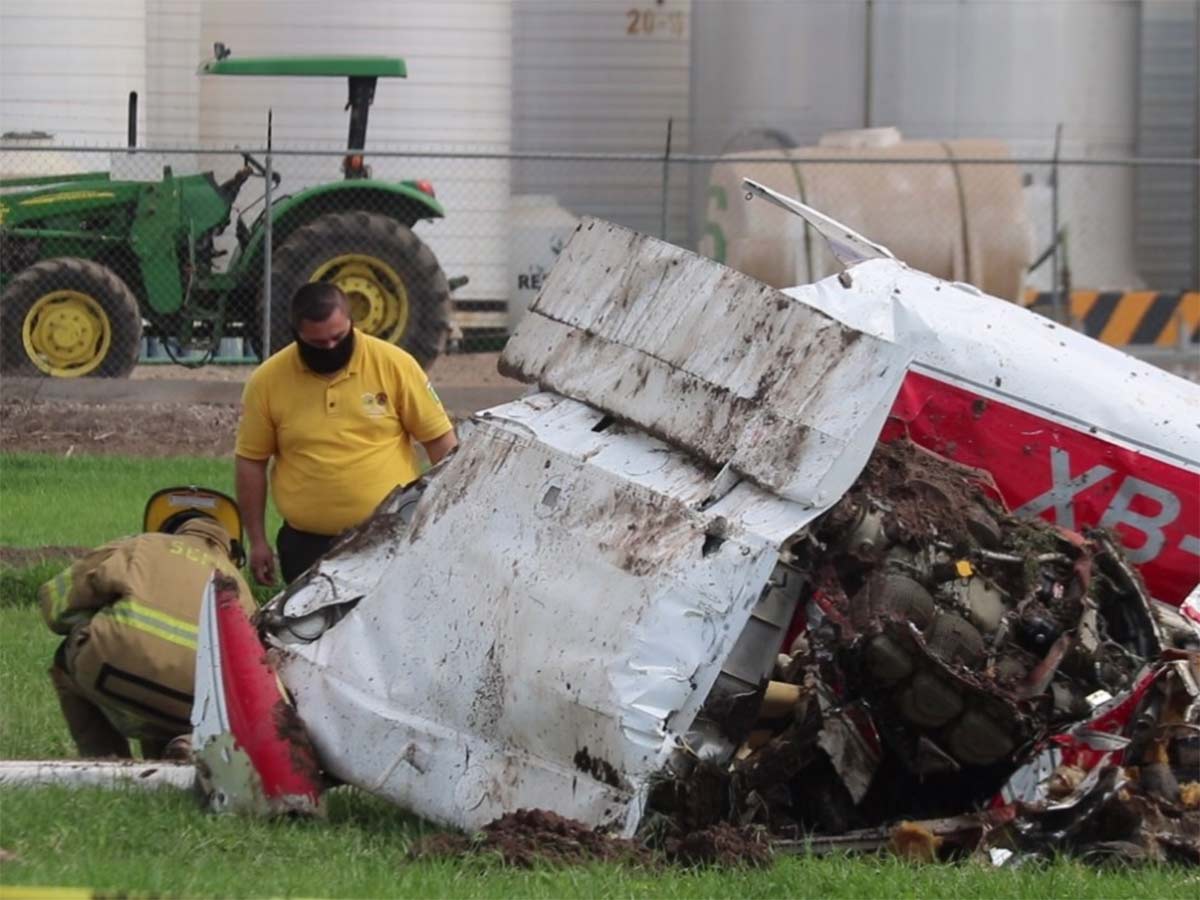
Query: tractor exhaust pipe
x=131, y=138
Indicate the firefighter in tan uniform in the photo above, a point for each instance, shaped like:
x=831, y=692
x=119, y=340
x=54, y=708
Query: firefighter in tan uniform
x=129, y=611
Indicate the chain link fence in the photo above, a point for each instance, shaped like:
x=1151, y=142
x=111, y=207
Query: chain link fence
x=111, y=259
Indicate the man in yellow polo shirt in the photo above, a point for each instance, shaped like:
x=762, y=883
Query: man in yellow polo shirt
x=337, y=410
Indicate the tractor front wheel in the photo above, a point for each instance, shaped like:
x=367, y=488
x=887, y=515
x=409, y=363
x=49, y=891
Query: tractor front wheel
x=69, y=318
x=396, y=286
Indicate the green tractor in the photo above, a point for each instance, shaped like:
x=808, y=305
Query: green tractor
x=85, y=260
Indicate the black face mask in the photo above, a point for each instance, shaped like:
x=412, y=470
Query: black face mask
x=326, y=360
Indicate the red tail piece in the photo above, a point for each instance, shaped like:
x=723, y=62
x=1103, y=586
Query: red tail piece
x=252, y=750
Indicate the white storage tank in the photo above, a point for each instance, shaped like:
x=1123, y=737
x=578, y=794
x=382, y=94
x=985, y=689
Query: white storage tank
x=973, y=225
x=540, y=229
x=1004, y=69
x=1013, y=71
x=603, y=76
x=67, y=67
x=456, y=97
x=174, y=49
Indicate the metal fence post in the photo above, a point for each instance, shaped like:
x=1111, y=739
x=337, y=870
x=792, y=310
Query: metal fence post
x=666, y=182
x=1056, y=303
x=265, y=343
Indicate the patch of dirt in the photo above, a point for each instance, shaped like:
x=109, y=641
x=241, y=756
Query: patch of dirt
x=23, y=557
x=150, y=430
x=600, y=769
x=454, y=370
x=174, y=429
x=530, y=837
x=468, y=370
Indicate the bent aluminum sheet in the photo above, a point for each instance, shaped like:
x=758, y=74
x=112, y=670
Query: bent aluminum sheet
x=954, y=330
x=708, y=359
x=542, y=629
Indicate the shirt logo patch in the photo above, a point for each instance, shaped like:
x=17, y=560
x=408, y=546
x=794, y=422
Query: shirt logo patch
x=375, y=404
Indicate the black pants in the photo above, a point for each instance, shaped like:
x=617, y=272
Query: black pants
x=299, y=549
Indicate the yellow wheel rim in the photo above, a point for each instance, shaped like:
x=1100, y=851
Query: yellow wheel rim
x=67, y=334
x=378, y=296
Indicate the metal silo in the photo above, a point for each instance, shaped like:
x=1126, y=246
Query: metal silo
x=67, y=66
x=940, y=70
x=456, y=97
x=602, y=76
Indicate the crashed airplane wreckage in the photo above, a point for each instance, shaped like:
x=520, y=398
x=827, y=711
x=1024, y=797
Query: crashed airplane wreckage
x=750, y=556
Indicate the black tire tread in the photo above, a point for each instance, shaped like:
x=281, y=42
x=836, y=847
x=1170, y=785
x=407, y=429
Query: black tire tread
x=89, y=277
x=428, y=289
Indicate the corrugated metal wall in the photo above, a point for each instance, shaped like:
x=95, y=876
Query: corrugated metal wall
x=173, y=51
x=1168, y=200
x=67, y=67
x=458, y=55
x=457, y=95
x=602, y=76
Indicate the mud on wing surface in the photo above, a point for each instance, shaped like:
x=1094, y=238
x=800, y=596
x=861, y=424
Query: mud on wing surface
x=539, y=627
x=536, y=623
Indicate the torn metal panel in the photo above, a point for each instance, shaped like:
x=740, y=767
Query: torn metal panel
x=1071, y=429
x=552, y=616
x=850, y=740
x=708, y=359
x=847, y=245
x=584, y=599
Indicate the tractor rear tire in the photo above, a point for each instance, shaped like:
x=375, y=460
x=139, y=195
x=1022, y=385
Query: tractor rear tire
x=397, y=288
x=67, y=318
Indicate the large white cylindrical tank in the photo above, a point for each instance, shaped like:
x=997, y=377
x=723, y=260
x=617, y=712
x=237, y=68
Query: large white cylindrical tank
x=1014, y=70
x=972, y=224
x=938, y=70
x=603, y=76
x=456, y=97
x=67, y=67
x=33, y=155
x=540, y=230
x=174, y=49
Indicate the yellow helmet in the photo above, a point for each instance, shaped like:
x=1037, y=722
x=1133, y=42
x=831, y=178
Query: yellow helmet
x=169, y=508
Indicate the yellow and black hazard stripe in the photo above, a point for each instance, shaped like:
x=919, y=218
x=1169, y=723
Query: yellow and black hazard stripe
x=1129, y=317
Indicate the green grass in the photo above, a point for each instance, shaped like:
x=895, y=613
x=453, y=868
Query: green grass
x=31, y=725
x=18, y=587
x=87, y=500
x=160, y=843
